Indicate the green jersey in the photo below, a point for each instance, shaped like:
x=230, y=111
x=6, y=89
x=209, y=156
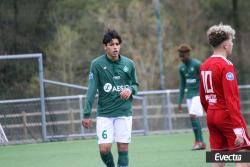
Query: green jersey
x=109, y=78
x=189, y=78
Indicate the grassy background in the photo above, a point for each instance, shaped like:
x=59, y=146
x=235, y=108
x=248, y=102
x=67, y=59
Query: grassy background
x=145, y=151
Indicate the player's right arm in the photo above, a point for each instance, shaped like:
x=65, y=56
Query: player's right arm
x=92, y=89
x=204, y=102
x=182, y=86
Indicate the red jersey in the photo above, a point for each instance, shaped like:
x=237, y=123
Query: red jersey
x=219, y=88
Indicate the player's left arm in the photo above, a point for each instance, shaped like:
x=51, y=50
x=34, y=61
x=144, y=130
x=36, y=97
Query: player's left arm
x=134, y=81
x=133, y=87
x=232, y=99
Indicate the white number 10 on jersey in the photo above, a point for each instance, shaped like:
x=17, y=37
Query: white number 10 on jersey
x=207, y=81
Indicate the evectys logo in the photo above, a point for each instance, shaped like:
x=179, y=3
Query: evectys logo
x=226, y=157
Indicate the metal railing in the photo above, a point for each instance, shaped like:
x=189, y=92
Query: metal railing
x=170, y=120
x=154, y=112
x=21, y=116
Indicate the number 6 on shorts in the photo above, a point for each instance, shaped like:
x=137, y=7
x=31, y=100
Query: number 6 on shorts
x=104, y=134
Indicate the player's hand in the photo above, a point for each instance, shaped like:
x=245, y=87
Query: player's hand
x=87, y=123
x=239, y=140
x=179, y=108
x=125, y=93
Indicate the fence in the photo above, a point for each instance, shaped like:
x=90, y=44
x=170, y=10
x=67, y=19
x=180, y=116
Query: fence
x=154, y=112
x=163, y=115
x=39, y=58
x=21, y=118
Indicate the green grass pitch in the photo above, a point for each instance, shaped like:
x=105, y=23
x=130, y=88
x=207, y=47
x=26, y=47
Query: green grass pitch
x=145, y=151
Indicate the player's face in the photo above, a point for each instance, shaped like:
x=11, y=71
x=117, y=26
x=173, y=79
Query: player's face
x=113, y=49
x=184, y=56
x=228, y=45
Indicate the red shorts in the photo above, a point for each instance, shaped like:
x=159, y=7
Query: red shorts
x=221, y=132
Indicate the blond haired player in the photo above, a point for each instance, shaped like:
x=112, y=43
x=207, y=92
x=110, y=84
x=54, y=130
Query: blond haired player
x=220, y=95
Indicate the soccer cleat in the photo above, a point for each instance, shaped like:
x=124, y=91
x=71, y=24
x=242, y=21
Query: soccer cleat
x=199, y=146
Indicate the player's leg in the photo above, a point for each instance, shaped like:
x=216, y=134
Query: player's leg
x=218, y=165
x=193, y=120
x=123, y=128
x=105, y=134
x=199, y=141
x=195, y=111
x=122, y=154
x=189, y=103
x=217, y=140
x=243, y=164
x=106, y=155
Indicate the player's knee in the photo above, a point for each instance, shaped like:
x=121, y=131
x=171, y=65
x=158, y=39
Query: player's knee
x=192, y=116
x=242, y=165
x=122, y=147
x=218, y=164
x=104, y=149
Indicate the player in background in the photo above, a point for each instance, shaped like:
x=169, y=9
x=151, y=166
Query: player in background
x=220, y=95
x=114, y=76
x=189, y=79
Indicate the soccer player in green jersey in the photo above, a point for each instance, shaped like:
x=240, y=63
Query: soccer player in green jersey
x=114, y=76
x=189, y=79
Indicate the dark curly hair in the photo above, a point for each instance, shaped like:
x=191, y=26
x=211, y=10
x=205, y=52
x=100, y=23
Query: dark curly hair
x=109, y=35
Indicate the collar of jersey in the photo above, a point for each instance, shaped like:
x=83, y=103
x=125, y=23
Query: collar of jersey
x=188, y=62
x=111, y=61
x=219, y=57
